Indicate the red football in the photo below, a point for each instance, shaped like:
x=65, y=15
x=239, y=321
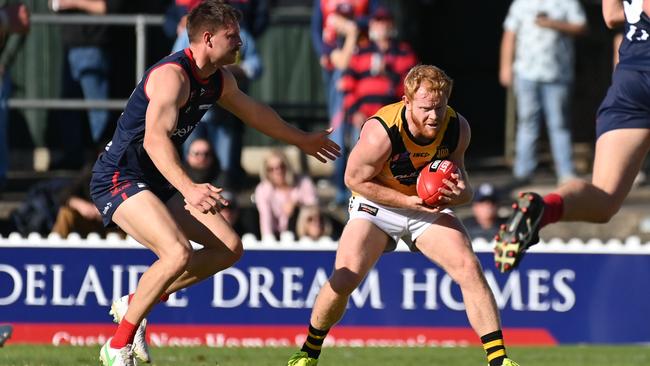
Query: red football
x=430, y=179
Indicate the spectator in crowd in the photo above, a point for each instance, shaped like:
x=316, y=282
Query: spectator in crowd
x=312, y=224
x=14, y=18
x=77, y=213
x=279, y=193
x=14, y=24
x=376, y=72
x=223, y=129
x=201, y=162
x=335, y=26
x=86, y=66
x=537, y=60
x=38, y=210
x=485, y=221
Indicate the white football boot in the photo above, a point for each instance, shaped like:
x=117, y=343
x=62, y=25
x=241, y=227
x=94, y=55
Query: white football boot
x=140, y=347
x=116, y=357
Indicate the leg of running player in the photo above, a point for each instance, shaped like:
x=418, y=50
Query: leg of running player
x=158, y=231
x=176, y=261
x=447, y=244
x=222, y=246
x=361, y=245
x=619, y=156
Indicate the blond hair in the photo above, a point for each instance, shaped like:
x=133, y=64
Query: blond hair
x=430, y=77
x=289, y=175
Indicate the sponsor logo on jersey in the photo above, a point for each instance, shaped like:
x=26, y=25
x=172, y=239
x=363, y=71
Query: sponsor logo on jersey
x=407, y=179
x=402, y=168
x=442, y=152
x=180, y=132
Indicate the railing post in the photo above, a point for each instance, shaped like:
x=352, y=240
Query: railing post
x=141, y=47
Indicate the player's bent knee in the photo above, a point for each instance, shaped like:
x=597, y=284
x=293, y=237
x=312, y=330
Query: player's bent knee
x=233, y=250
x=467, y=270
x=236, y=249
x=344, y=282
x=178, y=258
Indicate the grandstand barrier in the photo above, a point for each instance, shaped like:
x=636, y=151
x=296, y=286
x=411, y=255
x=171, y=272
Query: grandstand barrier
x=56, y=291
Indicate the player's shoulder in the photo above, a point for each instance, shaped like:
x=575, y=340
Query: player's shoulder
x=168, y=71
x=375, y=133
x=168, y=82
x=389, y=111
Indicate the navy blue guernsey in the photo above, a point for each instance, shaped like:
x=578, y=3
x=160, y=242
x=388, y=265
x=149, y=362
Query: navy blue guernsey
x=125, y=154
x=634, y=52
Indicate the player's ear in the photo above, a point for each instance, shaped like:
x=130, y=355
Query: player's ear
x=207, y=38
x=407, y=102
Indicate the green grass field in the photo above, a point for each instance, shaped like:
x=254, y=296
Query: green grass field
x=19, y=355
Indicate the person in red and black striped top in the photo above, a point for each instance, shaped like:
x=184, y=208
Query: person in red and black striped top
x=376, y=71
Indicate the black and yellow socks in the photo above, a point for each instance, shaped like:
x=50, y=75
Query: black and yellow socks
x=314, y=341
x=494, y=347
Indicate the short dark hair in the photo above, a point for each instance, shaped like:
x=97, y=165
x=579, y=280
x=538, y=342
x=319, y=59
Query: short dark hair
x=210, y=15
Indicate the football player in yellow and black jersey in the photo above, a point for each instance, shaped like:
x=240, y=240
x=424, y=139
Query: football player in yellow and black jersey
x=381, y=172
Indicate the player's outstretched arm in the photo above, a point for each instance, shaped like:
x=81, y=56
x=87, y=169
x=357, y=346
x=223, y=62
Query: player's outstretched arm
x=365, y=163
x=264, y=119
x=168, y=89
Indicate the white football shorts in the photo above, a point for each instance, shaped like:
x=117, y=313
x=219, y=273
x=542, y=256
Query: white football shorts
x=397, y=223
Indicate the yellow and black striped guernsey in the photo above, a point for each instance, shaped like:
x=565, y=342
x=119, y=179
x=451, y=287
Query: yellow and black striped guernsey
x=401, y=170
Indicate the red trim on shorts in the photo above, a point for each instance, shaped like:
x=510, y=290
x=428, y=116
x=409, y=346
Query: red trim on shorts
x=124, y=196
x=116, y=175
x=194, y=68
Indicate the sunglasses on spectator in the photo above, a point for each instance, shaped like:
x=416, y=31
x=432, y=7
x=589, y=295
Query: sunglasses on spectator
x=271, y=168
x=200, y=153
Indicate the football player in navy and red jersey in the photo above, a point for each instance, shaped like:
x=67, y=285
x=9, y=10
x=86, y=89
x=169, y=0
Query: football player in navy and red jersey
x=139, y=184
x=623, y=141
